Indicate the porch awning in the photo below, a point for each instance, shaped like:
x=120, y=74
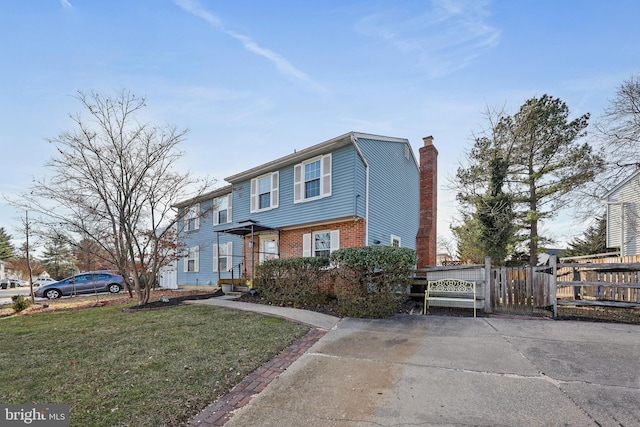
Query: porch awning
x=242, y=228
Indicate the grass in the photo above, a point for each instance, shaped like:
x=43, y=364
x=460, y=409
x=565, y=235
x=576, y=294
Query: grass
x=143, y=368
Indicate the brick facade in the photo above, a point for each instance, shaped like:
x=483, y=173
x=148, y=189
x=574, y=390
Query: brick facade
x=426, y=237
x=352, y=233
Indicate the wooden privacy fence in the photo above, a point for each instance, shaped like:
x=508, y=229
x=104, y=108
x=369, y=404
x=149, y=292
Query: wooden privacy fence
x=524, y=290
x=540, y=289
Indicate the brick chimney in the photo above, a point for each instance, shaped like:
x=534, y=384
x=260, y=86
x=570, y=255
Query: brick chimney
x=426, y=237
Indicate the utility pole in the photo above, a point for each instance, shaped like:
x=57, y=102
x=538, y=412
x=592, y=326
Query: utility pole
x=27, y=256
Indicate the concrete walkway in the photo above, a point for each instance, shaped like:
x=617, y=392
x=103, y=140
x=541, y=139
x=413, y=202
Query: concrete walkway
x=449, y=371
x=311, y=318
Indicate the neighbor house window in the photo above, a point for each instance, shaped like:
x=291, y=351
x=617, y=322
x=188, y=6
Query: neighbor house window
x=222, y=210
x=395, y=241
x=320, y=243
x=312, y=179
x=222, y=257
x=192, y=260
x=192, y=218
x=264, y=192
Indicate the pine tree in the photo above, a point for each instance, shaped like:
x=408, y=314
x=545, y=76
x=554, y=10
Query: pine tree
x=58, y=259
x=7, y=250
x=594, y=240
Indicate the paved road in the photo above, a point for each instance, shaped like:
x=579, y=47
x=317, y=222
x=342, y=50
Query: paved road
x=447, y=371
x=6, y=294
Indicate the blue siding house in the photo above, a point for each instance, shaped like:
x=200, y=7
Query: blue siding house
x=353, y=190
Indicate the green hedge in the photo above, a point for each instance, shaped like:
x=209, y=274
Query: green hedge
x=296, y=282
x=372, y=280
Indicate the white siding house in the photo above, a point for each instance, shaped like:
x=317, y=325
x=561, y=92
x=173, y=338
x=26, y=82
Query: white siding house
x=623, y=216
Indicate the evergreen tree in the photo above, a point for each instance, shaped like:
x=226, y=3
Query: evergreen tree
x=495, y=214
x=545, y=163
x=594, y=240
x=7, y=250
x=58, y=259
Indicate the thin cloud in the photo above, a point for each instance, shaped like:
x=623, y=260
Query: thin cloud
x=447, y=37
x=281, y=63
x=66, y=4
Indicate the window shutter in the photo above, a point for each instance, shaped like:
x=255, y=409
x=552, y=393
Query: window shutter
x=215, y=258
x=274, y=189
x=229, y=208
x=230, y=255
x=335, y=240
x=306, y=245
x=297, y=183
x=254, y=194
x=325, y=189
x=215, y=213
x=196, y=264
x=185, y=262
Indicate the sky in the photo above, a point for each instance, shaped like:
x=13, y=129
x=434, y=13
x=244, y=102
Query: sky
x=254, y=80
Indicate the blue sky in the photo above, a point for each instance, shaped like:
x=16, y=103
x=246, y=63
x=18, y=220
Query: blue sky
x=253, y=79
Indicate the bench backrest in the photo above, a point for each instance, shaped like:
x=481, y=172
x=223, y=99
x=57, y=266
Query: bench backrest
x=452, y=286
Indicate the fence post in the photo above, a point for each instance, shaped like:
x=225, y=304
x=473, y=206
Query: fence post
x=487, y=284
x=553, y=285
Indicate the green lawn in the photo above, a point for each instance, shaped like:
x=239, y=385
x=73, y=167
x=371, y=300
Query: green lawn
x=146, y=368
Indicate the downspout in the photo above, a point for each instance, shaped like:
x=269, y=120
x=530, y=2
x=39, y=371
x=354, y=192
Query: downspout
x=366, y=190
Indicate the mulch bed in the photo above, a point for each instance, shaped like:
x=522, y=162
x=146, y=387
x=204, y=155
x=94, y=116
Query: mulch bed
x=174, y=301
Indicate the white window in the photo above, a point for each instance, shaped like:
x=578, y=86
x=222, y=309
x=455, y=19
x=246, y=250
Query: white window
x=222, y=257
x=312, y=179
x=320, y=243
x=192, y=218
x=395, y=241
x=222, y=210
x=264, y=192
x=192, y=260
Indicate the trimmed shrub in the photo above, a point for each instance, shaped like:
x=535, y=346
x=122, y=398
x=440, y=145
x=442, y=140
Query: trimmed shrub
x=20, y=303
x=296, y=282
x=372, y=280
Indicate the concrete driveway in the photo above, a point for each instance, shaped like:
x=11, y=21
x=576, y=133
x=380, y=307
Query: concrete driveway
x=448, y=371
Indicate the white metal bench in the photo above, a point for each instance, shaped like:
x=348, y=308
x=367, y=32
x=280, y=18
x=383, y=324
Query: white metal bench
x=456, y=292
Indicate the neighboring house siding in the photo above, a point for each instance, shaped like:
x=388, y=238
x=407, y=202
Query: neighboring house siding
x=205, y=237
x=394, y=192
x=623, y=216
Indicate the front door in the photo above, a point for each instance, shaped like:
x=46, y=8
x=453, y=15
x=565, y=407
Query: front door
x=269, y=248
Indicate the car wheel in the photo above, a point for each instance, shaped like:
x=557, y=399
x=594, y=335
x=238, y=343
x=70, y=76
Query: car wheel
x=52, y=294
x=114, y=288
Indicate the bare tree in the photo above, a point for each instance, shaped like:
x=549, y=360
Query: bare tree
x=114, y=182
x=620, y=125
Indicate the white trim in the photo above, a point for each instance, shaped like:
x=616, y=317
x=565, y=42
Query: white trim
x=195, y=251
x=274, y=178
x=394, y=237
x=216, y=209
x=228, y=256
x=299, y=181
x=193, y=214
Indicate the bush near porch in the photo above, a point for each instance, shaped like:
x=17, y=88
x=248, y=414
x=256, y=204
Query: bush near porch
x=366, y=281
